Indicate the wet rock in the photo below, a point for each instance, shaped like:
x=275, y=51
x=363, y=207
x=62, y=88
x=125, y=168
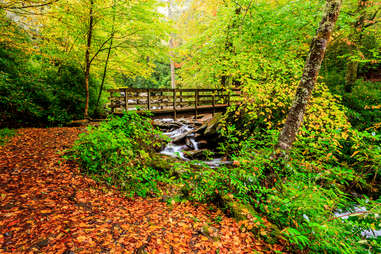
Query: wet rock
x=196, y=154
x=189, y=144
x=213, y=125
x=202, y=143
x=181, y=138
x=201, y=129
x=166, y=125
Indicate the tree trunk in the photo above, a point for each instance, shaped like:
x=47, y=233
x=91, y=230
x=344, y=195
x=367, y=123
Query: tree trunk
x=351, y=75
x=355, y=38
x=87, y=58
x=108, y=57
x=171, y=46
x=307, y=82
x=172, y=63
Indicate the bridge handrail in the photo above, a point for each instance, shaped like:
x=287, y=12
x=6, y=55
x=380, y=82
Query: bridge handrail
x=158, y=99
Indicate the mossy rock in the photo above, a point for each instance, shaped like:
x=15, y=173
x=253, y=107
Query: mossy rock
x=244, y=212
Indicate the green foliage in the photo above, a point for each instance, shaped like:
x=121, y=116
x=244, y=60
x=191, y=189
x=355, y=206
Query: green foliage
x=117, y=152
x=363, y=104
x=5, y=135
x=35, y=93
x=160, y=78
x=303, y=195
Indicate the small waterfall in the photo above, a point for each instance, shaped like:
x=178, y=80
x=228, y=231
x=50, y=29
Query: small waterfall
x=183, y=139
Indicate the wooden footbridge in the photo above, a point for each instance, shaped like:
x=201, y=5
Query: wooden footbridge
x=164, y=101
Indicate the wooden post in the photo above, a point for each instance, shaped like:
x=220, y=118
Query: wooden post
x=125, y=100
x=161, y=100
x=149, y=99
x=181, y=99
x=228, y=98
x=174, y=103
x=213, y=103
x=137, y=98
x=196, y=103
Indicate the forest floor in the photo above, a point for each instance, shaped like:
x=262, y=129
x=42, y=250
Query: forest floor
x=48, y=206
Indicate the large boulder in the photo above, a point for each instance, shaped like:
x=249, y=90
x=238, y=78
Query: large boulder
x=212, y=126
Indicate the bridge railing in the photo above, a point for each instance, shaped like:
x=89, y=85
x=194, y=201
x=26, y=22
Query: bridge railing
x=164, y=100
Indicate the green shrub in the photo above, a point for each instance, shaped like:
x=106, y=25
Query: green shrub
x=5, y=135
x=363, y=104
x=118, y=151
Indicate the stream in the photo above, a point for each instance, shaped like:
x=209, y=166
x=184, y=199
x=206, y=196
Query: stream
x=185, y=144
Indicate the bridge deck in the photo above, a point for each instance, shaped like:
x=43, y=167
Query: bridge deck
x=172, y=101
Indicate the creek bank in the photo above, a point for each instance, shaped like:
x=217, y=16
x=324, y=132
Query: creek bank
x=197, y=140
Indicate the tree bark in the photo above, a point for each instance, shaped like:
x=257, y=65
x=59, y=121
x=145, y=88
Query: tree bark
x=108, y=56
x=307, y=82
x=351, y=75
x=172, y=63
x=87, y=58
x=171, y=46
x=355, y=39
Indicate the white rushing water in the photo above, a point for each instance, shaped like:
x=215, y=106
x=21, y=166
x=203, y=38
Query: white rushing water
x=177, y=150
x=366, y=233
x=172, y=149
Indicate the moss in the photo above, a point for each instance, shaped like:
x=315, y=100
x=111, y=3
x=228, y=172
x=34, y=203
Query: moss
x=244, y=212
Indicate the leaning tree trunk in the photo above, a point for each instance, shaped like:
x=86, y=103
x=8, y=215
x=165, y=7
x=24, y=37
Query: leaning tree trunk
x=87, y=58
x=307, y=82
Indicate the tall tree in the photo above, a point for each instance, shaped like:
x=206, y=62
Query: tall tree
x=87, y=57
x=365, y=16
x=306, y=85
x=108, y=55
x=87, y=32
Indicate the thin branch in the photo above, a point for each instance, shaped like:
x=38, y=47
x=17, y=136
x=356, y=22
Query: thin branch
x=10, y=7
x=247, y=9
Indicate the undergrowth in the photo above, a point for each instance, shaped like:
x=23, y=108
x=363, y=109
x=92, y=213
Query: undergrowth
x=5, y=135
x=302, y=196
x=117, y=152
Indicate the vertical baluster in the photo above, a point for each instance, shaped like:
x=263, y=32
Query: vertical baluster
x=213, y=103
x=181, y=99
x=126, y=99
x=196, y=103
x=174, y=103
x=148, y=99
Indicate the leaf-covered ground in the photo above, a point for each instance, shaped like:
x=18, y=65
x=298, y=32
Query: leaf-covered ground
x=47, y=206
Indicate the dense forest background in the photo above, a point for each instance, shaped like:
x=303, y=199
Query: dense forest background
x=58, y=58
x=215, y=44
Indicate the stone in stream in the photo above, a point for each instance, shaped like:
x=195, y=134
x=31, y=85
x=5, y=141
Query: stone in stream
x=202, y=143
x=196, y=154
x=213, y=125
x=166, y=124
x=181, y=138
x=189, y=143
